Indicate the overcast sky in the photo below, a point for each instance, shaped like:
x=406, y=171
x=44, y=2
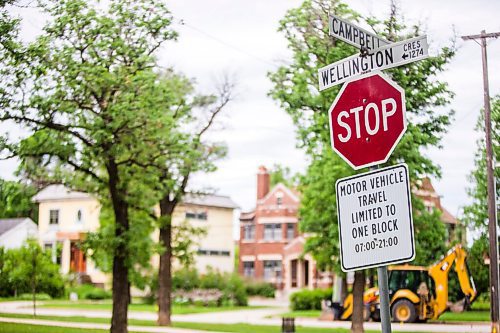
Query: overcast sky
x=240, y=37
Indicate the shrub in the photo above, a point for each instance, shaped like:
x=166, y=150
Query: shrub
x=263, y=289
x=309, y=299
x=88, y=291
x=38, y=297
x=185, y=279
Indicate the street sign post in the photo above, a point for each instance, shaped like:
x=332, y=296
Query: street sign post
x=375, y=219
x=367, y=120
x=388, y=56
x=354, y=35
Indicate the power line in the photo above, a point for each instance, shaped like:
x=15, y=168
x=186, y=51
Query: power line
x=229, y=45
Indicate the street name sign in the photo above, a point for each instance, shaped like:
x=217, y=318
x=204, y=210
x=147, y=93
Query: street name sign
x=375, y=219
x=367, y=120
x=354, y=35
x=388, y=56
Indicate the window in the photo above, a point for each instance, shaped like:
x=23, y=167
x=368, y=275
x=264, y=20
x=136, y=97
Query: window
x=47, y=247
x=248, y=268
x=249, y=232
x=79, y=216
x=279, y=199
x=290, y=231
x=272, y=269
x=54, y=216
x=219, y=253
x=272, y=231
x=197, y=215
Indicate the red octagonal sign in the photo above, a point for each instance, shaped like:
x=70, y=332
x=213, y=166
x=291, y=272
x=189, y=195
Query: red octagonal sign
x=367, y=120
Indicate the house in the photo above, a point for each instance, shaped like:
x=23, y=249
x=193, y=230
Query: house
x=426, y=192
x=14, y=232
x=271, y=248
x=66, y=216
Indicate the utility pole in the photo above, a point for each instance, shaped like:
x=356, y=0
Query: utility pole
x=492, y=224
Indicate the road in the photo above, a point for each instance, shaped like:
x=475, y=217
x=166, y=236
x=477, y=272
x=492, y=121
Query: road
x=264, y=316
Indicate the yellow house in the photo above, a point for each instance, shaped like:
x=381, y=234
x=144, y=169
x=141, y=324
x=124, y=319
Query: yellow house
x=66, y=216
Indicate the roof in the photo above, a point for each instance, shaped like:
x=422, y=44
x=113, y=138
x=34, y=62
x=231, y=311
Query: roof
x=8, y=224
x=446, y=217
x=59, y=192
x=210, y=200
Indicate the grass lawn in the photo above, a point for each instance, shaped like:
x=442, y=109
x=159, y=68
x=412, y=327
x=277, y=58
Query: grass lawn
x=107, y=305
x=234, y=328
x=468, y=316
x=23, y=328
x=465, y=316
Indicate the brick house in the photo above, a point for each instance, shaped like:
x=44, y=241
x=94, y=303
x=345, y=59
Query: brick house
x=271, y=248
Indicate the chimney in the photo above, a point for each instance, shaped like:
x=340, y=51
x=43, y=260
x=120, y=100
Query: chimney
x=262, y=182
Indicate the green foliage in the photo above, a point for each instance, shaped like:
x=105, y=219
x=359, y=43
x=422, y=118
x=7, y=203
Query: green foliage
x=295, y=88
x=257, y=288
x=476, y=214
x=430, y=234
x=38, y=297
x=475, y=260
x=309, y=299
x=15, y=200
x=88, y=291
x=29, y=269
x=186, y=279
x=282, y=174
x=231, y=285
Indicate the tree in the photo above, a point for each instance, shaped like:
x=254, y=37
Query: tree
x=476, y=213
x=197, y=155
x=282, y=174
x=295, y=87
x=29, y=270
x=15, y=200
x=99, y=114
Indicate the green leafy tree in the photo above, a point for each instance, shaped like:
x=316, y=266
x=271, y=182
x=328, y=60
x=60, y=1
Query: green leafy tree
x=283, y=174
x=476, y=214
x=15, y=200
x=29, y=270
x=197, y=154
x=295, y=87
x=99, y=113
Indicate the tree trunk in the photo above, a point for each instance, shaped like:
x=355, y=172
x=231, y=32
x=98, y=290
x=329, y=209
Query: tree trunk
x=120, y=270
x=357, y=293
x=165, y=271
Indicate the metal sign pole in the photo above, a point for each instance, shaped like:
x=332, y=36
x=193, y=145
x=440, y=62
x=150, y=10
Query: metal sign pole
x=383, y=287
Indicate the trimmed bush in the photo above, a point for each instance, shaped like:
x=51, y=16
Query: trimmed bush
x=38, y=297
x=88, y=291
x=309, y=299
x=263, y=289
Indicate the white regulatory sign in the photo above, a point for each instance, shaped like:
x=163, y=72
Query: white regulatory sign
x=354, y=35
x=375, y=221
x=387, y=56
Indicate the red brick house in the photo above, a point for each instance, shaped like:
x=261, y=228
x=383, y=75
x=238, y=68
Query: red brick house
x=271, y=248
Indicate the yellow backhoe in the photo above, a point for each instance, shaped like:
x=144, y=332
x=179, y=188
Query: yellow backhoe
x=418, y=293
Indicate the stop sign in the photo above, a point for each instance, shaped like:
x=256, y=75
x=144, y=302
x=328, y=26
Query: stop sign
x=367, y=120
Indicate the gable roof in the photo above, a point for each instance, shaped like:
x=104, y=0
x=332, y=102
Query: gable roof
x=282, y=187
x=211, y=200
x=59, y=192
x=11, y=223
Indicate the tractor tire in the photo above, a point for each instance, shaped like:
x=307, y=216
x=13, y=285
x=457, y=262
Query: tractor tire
x=403, y=311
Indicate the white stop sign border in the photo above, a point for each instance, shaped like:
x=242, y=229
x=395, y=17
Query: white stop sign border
x=339, y=95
